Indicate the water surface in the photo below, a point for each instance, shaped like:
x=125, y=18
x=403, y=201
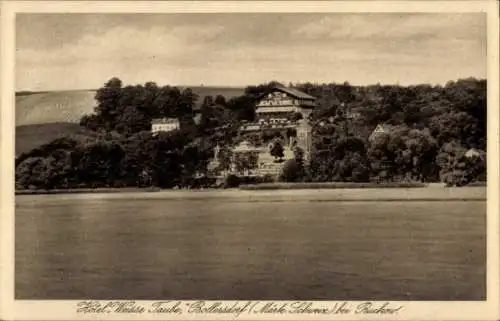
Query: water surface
x=103, y=247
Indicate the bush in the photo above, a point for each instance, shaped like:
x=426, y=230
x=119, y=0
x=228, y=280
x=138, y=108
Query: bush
x=296, y=117
x=277, y=150
x=268, y=178
x=257, y=179
x=293, y=171
x=331, y=185
x=202, y=182
x=232, y=181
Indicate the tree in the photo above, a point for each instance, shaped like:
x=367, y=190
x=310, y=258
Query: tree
x=225, y=156
x=245, y=161
x=403, y=153
x=137, y=164
x=132, y=120
x=296, y=117
x=108, y=98
x=381, y=158
x=99, y=164
x=456, y=168
x=338, y=158
x=294, y=169
x=291, y=171
x=459, y=126
x=243, y=107
x=277, y=150
x=29, y=173
x=298, y=155
x=92, y=122
x=220, y=100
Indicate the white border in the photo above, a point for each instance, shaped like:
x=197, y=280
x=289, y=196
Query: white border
x=416, y=310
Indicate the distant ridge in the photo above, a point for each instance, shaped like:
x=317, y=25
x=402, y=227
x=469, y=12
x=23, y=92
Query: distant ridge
x=28, y=92
x=68, y=106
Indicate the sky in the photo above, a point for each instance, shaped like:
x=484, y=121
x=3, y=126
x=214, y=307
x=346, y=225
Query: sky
x=83, y=51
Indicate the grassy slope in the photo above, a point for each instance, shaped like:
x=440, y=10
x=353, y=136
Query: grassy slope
x=32, y=136
x=53, y=107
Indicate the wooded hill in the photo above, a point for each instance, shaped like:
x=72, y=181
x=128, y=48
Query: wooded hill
x=433, y=129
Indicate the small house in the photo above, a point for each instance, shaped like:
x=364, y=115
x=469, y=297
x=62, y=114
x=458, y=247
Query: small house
x=474, y=152
x=164, y=125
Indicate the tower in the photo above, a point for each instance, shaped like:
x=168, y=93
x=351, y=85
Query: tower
x=304, y=139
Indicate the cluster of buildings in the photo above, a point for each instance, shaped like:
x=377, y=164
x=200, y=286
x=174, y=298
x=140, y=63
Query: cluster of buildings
x=283, y=112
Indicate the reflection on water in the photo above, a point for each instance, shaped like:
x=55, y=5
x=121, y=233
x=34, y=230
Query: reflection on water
x=105, y=248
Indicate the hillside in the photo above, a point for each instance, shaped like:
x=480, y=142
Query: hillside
x=53, y=107
x=32, y=136
x=70, y=106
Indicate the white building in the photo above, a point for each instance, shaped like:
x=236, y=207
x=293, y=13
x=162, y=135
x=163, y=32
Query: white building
x=164, y=125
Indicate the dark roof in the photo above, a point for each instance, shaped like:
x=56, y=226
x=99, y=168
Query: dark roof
x=165, y=120
x=294, y=92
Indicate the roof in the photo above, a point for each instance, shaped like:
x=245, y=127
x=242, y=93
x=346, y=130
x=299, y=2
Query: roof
x=474, y=152
x=294, y=93
x=381, y=128
x=165, y=121
x=384, y=128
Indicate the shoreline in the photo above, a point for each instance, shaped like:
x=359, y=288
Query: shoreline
x=331, y=185
x=250, y=187
x=101, y=190
x=426, y=194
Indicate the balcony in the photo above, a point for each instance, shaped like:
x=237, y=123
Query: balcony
x=278, y=124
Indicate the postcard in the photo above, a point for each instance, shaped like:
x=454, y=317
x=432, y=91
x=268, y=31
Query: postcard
x=250, y=160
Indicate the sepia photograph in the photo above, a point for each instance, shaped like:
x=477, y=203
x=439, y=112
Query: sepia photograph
x=251, y=156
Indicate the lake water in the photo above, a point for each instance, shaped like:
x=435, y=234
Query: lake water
x=163, y=247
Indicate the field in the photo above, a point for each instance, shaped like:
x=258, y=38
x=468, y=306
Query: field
x=249, y=245
x=32, y=136
x=53, y=107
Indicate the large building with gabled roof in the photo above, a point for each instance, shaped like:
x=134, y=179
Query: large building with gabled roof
x=281, y=103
